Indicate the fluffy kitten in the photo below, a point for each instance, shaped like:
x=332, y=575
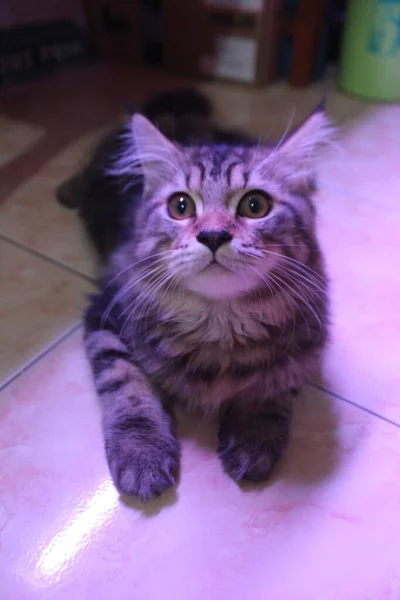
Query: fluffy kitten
x=214, y=296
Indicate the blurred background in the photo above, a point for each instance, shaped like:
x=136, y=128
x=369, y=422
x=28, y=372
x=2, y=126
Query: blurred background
x=252, y=41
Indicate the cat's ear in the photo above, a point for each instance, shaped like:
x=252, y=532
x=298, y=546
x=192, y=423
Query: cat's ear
x=301, y=145
x=146, y=135
x=157, y=156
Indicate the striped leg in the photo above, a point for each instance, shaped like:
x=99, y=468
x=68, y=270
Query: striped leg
x=141, y=449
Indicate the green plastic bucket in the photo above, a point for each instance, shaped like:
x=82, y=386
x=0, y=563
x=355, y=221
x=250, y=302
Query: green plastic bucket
x=370, y=62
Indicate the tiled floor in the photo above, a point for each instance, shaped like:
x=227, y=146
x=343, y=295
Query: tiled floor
x=16, y=138
x=53, y=231
x=328, y=526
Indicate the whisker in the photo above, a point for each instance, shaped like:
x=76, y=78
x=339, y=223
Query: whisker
x=262, y=277
x=307, y=301
x=282, y=138
x=294, y=261
x=148, y=295
x=291, y=288
x=290, y=304
x=154, y=277
x=142, y=274
x=302, y=280
x=134, y=264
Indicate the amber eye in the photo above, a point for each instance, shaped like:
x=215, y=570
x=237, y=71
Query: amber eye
x=181, y=206
x=255, y=205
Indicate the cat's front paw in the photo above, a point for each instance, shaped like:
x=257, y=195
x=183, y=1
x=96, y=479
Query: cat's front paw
x=248, y=459
x=251, y=447
x=143, y=467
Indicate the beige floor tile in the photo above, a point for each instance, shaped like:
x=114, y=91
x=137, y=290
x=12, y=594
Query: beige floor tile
x=33, y=217
x=38, y=303
x=326, y=527
x=267, y=112
x=366, y=158
x=359, y=224
x=16, y=138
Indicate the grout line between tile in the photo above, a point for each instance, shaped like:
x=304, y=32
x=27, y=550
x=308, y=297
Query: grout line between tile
x=33, y=361
x=47, y=258
x=355, y=404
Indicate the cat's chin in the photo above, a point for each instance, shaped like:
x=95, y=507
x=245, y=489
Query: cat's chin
x=217, y=282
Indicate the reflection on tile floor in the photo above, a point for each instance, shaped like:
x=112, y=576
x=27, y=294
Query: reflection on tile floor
x=327, y=526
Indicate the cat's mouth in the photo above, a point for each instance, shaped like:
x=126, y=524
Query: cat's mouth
x=217, y=280
x=215, y=266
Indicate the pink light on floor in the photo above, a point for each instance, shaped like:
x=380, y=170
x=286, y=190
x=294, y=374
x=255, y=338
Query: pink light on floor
x=63, y=548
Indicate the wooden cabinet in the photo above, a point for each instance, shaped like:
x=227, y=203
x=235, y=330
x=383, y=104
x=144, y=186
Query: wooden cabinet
x=114, y=28
x=188, y=36
x=239, y=39
x=227, y=40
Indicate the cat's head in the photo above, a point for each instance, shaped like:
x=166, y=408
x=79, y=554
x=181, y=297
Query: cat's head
x=223, y=220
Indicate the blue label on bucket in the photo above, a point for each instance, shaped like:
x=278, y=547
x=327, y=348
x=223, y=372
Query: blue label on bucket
x=384, y=38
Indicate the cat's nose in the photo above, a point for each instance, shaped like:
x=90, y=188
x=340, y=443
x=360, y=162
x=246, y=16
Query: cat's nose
x=214, y=239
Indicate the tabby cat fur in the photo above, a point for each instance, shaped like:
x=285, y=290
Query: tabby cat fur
x=213, y=294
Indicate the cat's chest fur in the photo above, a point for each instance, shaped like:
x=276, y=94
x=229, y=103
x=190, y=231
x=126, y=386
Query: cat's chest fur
x=205, y=353
x=227, y=326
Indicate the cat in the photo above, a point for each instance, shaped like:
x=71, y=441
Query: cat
x=213, y=295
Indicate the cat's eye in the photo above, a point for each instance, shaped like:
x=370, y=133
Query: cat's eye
x=181, y=206
x=255, y=205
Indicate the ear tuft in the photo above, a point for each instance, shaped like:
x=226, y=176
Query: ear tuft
x=316, y=131
x=297, y=153
x=148, y=153
x=147, y=137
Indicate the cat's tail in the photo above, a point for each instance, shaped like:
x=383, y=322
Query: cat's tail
x=183, y=115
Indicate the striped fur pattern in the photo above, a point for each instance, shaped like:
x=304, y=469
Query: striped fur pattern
x=233, y=333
